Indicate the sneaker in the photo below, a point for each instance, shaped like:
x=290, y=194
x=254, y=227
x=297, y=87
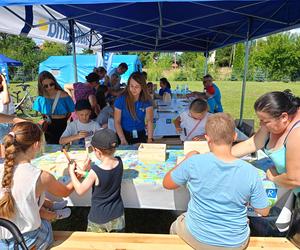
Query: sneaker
x=63, y=213
x=59, y=204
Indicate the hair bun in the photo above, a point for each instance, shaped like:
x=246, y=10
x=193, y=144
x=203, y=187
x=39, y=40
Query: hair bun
x=294, y=99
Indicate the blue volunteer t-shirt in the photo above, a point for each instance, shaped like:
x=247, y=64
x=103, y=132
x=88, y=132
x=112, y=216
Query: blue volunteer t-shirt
x=217, y=97
x=165, y=90
x=217, y=212
x=128, y=123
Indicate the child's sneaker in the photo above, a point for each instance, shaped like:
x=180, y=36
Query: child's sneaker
x=59, y=204
x=63, y=213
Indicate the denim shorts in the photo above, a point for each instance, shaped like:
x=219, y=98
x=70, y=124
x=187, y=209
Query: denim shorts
x=4, y=130
x=40, y=238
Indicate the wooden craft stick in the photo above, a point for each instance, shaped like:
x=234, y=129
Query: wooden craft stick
x=67, y=155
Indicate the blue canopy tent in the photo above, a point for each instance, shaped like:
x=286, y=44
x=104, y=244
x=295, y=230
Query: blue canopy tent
x=61, y=66
x=133, y=62
x=5, y=62
x=170, y=25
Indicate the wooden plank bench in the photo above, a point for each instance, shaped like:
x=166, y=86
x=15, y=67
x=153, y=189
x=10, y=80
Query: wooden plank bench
x=132, y=241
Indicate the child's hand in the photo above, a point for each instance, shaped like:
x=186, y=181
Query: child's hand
x=83, y=134
x=199, y=138
x=178, y=130
x=79, y=173
x=72, y=166
x=87, y=164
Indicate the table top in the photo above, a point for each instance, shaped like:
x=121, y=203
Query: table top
x=150, y=173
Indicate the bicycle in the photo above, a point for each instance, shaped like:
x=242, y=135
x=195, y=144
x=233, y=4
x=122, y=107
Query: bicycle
x=25, y=103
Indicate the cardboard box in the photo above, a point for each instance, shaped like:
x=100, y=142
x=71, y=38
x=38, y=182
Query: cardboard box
x=152, y=152
x=200, y=146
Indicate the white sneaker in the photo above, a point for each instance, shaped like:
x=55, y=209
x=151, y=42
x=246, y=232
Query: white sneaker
x=63, y=213
x=59, y=204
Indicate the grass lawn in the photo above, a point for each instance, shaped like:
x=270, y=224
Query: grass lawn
x=231, y=94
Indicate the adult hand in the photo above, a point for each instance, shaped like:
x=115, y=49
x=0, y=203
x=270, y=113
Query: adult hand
x=82, y=134
x=124, y=142
x=271, y=173
x=150, y=140
x=4, y=83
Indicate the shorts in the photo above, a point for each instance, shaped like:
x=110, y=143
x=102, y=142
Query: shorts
x=115, y=225
x=178, y=227
x=40, y=238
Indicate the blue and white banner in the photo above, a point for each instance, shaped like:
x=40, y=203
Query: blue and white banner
x=42, y=22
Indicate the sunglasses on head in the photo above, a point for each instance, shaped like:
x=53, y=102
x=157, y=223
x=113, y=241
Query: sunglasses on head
x=45, y=86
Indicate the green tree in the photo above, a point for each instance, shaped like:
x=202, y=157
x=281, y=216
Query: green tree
x=55, y=49
x=22, y=49
x=279, y=56
x=223, y=56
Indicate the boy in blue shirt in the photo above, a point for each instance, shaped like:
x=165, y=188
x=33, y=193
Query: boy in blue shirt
x=220, y=187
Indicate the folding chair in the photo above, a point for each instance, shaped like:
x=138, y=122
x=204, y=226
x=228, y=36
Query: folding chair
x=18, y=237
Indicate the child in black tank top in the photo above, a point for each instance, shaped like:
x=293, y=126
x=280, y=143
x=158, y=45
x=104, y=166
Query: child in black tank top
x=107, y=209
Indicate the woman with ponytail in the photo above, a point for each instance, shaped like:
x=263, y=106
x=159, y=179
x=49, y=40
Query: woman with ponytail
x=278, y=136
x=23, y=187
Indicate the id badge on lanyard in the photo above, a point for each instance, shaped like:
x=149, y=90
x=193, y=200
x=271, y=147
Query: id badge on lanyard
x=135, y=134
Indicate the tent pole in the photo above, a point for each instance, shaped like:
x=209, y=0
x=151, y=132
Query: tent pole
x=206, y=63
x=72, y=34
x=247, y=50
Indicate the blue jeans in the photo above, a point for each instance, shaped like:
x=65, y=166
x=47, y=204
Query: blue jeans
x=265, y=226
x=40, y=238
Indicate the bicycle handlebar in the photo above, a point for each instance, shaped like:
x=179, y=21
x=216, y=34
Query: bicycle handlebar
x=23, y=86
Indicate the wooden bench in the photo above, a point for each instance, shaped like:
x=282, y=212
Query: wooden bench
x=132, y=241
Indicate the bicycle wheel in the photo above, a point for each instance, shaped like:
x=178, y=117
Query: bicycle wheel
x=27, y=107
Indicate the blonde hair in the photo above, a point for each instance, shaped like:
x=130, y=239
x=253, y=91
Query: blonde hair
x=22, y=136
x=220, y=128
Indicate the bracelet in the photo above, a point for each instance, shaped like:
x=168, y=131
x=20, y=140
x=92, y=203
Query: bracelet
x=86, y=174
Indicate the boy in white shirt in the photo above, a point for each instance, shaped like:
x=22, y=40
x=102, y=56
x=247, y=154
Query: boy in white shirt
x=191, y=123
x=82, y=130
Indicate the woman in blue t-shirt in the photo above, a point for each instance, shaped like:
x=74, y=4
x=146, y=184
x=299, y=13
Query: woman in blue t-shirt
x=165, y=87
x=55, y=112
x=132, y=108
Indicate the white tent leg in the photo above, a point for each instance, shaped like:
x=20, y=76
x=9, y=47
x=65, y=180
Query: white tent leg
x=72, y=34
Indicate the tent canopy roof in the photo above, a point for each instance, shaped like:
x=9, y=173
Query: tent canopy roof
x=176, y=25
x=10, y=62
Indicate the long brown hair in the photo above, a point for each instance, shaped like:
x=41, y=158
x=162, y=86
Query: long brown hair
x=144, y=96
x=43, y=76
x=21, y=138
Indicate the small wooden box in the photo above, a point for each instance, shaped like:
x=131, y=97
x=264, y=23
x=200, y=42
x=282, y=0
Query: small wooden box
x=200, y=146
x=152, y=152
